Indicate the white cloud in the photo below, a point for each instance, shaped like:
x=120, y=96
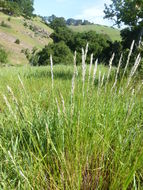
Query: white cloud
x=93, y=14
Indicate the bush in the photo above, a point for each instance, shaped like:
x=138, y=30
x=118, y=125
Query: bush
x=9, y=19
x=60, y=51
x=3, y=55
x=17, y=41
x=25, y=24
x=3, y=24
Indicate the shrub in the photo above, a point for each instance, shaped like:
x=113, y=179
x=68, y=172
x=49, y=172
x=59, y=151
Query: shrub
x=17, y=41
x=9, y=19
x=60, y=51
x=3, y=55
x=3, y=24
x=25, y=24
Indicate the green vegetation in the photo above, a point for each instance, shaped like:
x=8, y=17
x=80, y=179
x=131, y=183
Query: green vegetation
x=17, y=41
x=129, y=13
x=70, y=131
x=67, y=41
x=113, y=33
x=3, y=55
x=60, y=52
x=17, y=7
x=28, y=38
x=3, y=24
x=75, y=124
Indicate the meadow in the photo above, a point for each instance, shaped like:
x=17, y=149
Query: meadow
x=71, y=127
x=113, y=33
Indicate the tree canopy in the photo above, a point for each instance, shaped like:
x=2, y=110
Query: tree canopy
x=17, y=7
x=125, y=11
x=130, y=13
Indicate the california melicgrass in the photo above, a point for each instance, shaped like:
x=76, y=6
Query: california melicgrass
x=79, y=132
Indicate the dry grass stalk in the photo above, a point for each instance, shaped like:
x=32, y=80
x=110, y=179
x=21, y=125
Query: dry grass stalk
x=21, y=82
x=73, y=86
x=75, y=66
x=9, y=107
x=134, y=68
x=94, y=72
x=90, y=69
x=83, y=70
x=117, y=73
x=15, y=101
x=99, y=81
x=52, y=75
x=129, y=55
x=13, y=97
x=63, y=103
x=102, y=80
x=59, y=111
x=19, y=170
x=86, y=51
x=110, y=68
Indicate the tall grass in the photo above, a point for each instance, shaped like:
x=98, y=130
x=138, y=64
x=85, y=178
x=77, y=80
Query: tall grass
x=53, y=137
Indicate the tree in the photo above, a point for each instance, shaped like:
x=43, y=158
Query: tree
x=18, y=7
x=60, y=52
x=128, y=12
x=26, y=6
x=63, y=34
x=71, y=21
x=58, y=23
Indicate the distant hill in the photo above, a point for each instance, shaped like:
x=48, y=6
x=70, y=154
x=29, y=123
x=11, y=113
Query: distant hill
x=113, y=33
x=29, y=33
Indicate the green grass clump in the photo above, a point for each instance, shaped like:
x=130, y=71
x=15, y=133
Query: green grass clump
x=70, y=134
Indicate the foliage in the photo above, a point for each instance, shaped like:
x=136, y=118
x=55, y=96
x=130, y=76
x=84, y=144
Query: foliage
x=58, y=23
x=3, y=24
x=113, y=47
x=130, y=13
x=97, y=42
x=3, y=55
x=17, y=41
x=77, y=40
x=128, y=35
x=70, y=21
x=32, y=56
x=26, y=6
x=62, y=34
x=18, y=7
x=60, y=52
x=9, y=19
x=25, y=24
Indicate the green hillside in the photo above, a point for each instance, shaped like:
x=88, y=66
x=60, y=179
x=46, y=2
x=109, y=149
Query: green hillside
x=112, y=32
x=31, y=33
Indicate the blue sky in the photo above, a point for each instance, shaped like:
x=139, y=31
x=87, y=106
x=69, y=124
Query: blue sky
x=91, y=10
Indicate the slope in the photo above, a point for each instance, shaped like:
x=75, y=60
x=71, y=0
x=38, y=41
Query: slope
x=31, y=33
x=113, y=33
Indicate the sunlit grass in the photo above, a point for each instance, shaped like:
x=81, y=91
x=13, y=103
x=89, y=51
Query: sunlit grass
x=50, y=140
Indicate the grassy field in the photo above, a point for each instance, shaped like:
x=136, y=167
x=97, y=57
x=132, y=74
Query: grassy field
x=70, y=131
x=114, y=34
x=15, y=29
